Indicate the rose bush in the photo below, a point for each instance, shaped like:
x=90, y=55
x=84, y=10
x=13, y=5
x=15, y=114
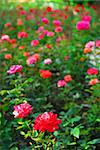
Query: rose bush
x=50, y=63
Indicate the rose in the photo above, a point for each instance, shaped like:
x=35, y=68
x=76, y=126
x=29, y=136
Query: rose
x=83, y=25
x=22, y=110
x=47, y=121
x=45, y=74
x=92, y=71
x=15, y=68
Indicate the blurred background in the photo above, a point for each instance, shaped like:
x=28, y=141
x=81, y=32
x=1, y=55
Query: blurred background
x=71, y=1
x=53, y=3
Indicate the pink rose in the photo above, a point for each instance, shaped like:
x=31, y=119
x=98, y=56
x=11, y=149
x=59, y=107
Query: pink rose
x=45, y=20
x=56, y=22
x=15, y=68
x=41, y=36
x=58, y=39
x=34, y=42
x=45, y=32
x=86, y=18
x=5, y=38
x=31, y=60
x=50, y=33
x=58, y=29
x=47, y=61
x=61, y=83
x=90, y=44
x=23, y=12
x=83, y=25
x=41, y=28
x=22, y=35
x=97, y=43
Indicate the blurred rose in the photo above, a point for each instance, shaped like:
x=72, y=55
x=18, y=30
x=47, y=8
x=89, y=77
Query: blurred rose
x=12, y=41
x=45, y=20
x=86, y=18
x=49, y=46
x=67, y=78
x=36, y=56
x=45, y=74
x=19, y=22
x=26, y=54
x=41, y=28
x=15, y=68
x=92, y=71
x=8, y=24
x=56, y=22
x=34, y=42
x=87, y=50
x=31, y=60
x=97, y=43
x=21, y=47
x=8, y=56
x=61, y=83
x=50, y=33
x=22, y=35
x=5, y=38
x=90, y=44
x=83, y=25
x=41, y=36
x=94, y=81
x=47, y=61
x=58, y=29
x=49, y=9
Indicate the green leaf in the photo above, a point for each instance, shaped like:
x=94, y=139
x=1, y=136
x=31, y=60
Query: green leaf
x=75, y=132
x=77, y=118
x=3, y=92
x=65, y=124
x=20, y=122
x=22, y=133
x=14, y=148
x=98, y=120
x=35, y=133
x=72, y=143
x=95, y=141
x=30, y=80
x=56, y=133
x=20, y=127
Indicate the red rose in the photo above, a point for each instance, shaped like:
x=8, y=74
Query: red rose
x=22, y=110
x=45, y=74
x=22, y=35
x=36, y=56
x=58, y=29
x=47, y=121
x=8, y=56
x=67, y=78
x=34, y=42
x=49, y=9
x=26, y=54
x=92, y=71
